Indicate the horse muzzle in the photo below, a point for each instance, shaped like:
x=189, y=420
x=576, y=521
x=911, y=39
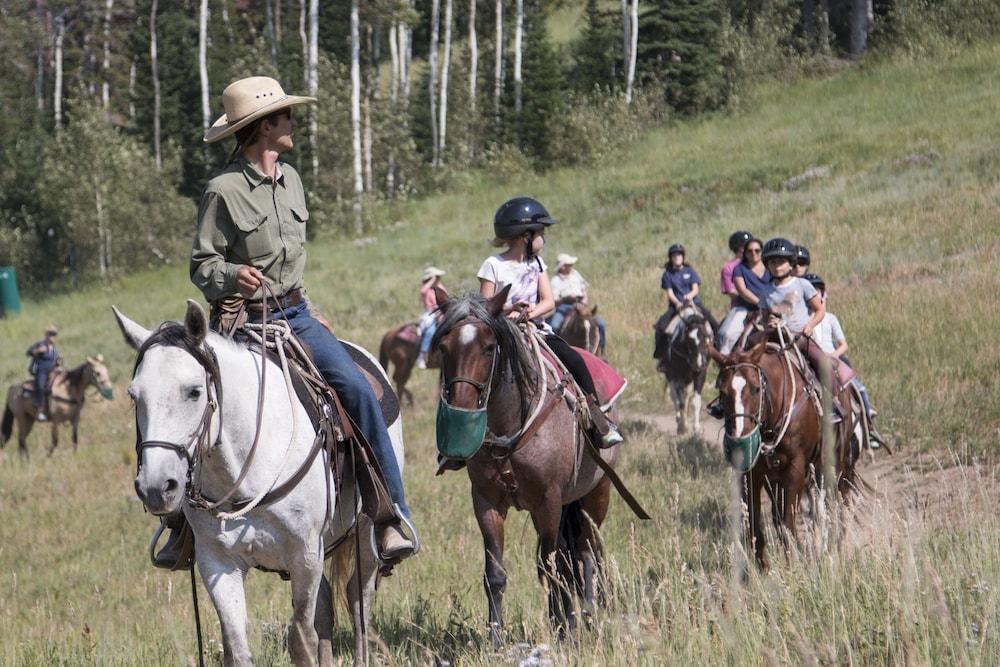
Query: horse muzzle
x=460, y=431
x=742, y=452
x=107, y=393
x=160, y=497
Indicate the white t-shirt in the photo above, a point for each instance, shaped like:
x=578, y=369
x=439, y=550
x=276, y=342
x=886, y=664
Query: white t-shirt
x=521, y=276
x=573, y=285
x=828, y=334
x=790, y=302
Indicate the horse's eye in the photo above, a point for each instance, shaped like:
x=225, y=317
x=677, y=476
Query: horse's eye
x=490, y=349
x=754, y=390
x=194, y=393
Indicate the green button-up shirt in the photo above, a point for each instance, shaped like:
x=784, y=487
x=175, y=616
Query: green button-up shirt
x=246, y=218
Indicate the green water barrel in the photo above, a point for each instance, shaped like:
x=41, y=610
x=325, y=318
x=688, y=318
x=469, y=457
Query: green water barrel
x=10, y=302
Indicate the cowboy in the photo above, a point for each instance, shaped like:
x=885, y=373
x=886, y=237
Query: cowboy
x=44, y=357
x=251, y=232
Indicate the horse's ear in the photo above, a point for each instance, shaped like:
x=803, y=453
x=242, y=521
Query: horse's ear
x=100, y=358
x=757, y=351
x=496, y=302
x=134, y=334
x=716, y=355
x=442, y=298
x=593, y=309
x=195, y=321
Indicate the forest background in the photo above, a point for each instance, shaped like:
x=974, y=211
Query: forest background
x=104, y=102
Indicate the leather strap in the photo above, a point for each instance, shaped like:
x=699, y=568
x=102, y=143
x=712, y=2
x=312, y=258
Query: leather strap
x=616, y=481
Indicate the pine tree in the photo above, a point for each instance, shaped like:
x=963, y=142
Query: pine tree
x=597, y=53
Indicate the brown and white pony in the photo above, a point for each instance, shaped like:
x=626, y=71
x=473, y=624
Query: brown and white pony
x=486, y=365
x=773, y=435
x=580, y=328
x=65, y=402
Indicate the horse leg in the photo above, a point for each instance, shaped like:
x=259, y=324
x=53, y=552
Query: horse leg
x=224, y=583
x=323, y=622
x=678, y=398
x=55, y=439
x=595, y=508
x=306, y=576
x=752, y=486
x=491, y=524
x=76, y=427
x=24, y=423
x=791, y=492
x=696, y=407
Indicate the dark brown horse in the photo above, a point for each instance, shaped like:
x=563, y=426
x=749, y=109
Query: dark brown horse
x=580, y=328
x=773, y=434
x=531, y=459
x=685, y=365
x=400, y=345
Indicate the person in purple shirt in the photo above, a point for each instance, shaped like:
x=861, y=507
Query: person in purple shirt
x=681, y=283
x=737, y=242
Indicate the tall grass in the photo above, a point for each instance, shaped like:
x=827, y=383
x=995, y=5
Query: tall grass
x=903, y=229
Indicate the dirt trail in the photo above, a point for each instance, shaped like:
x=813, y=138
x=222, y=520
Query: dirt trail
x=910, y=490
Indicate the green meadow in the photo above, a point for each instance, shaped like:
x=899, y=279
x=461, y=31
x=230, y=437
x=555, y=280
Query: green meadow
x=889, y=172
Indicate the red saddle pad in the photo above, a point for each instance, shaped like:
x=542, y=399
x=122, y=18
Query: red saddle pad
x=607, y=381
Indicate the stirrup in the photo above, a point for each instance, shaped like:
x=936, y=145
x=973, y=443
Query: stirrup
x=385, y=565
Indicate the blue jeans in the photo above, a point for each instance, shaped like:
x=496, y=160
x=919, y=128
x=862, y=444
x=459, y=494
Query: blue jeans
x=41, y=379
x=558, y=317
x=425, y=339
x=356, y=395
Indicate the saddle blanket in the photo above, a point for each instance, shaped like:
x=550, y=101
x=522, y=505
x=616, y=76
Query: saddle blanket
x=408, y=333
x=608, y=383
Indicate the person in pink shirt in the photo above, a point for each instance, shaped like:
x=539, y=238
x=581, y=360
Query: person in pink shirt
x=737, y=241
x=428, y=322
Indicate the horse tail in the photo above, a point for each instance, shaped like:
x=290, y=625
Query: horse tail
x=383, y=350
x=569, y=556
x=8, y=426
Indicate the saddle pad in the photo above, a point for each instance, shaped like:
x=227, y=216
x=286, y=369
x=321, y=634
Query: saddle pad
x=607, y=381
x=369, y=367
x=408, y=333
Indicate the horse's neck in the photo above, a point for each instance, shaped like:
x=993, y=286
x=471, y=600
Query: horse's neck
x=71, y=383
x=775, y=394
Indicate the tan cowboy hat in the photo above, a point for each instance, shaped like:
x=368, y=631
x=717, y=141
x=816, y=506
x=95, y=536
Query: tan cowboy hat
x=246, y=100
x=51, y=329
x=432, y=272
x=563, y=259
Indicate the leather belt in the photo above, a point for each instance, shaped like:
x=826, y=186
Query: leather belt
x=287, y=300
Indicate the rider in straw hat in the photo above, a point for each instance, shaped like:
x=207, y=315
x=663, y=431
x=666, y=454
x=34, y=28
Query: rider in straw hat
x=251, y=232
x=429, y=320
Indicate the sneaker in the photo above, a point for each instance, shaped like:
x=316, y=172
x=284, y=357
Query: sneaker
x=873, y=413
x=41, y=417
x=393, y=544
x=421, y=363
x=611, y=438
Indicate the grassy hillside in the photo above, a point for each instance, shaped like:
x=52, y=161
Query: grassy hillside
x=902, y=224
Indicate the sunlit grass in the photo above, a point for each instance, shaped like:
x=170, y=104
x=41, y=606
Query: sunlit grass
x=904, y=231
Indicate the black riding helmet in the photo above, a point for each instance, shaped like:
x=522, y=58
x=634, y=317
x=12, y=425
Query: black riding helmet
x=739, y=239
x=802, y=255
x=816, y=281
x=779, y=247
x=519, y=215
x=676, y=249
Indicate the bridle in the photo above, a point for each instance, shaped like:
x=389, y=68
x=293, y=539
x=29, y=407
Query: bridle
x=483, y=389
x=756, y=419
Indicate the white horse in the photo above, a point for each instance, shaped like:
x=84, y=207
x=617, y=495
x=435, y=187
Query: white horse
x=178, y=406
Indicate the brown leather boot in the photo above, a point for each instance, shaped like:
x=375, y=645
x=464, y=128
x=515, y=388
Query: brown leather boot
x=394, y=544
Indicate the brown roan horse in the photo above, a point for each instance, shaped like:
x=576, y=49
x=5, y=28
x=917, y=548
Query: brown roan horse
x=580, y=328
x=485, y=364
x=759, y=394
x=400, y=345
x=65, y=402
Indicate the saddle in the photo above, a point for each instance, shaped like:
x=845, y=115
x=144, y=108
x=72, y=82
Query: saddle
x=409, y=332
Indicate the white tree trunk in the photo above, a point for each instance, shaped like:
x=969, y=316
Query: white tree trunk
x=356, y=112
x=445, y=67
x=862, y=20
x=371, y=88
x=271, y=37
x=154, y=65
x=57, y=93
x=313, y=82
x=304, y=38
x=432, y=58
x=626, y=36
x=632, y=50
x=131, y=87
x=498, y=63
x=40, y=58
x=518, y=48
x=394, y=58
x=103, y=242
x=106, y=64
x=473, y=55
x=206, y=111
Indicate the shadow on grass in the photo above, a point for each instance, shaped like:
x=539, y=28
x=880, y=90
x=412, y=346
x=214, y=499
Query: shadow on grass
x=698, y=456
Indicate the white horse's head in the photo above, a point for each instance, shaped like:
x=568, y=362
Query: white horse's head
x=171, y=389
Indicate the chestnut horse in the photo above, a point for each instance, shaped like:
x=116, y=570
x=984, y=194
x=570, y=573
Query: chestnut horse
x=580, y=328
x=532, y=457
x=773, y=435
x=400, y=345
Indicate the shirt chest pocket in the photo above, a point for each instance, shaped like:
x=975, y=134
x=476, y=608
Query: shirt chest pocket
x=300, y=216
x=253, y=235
